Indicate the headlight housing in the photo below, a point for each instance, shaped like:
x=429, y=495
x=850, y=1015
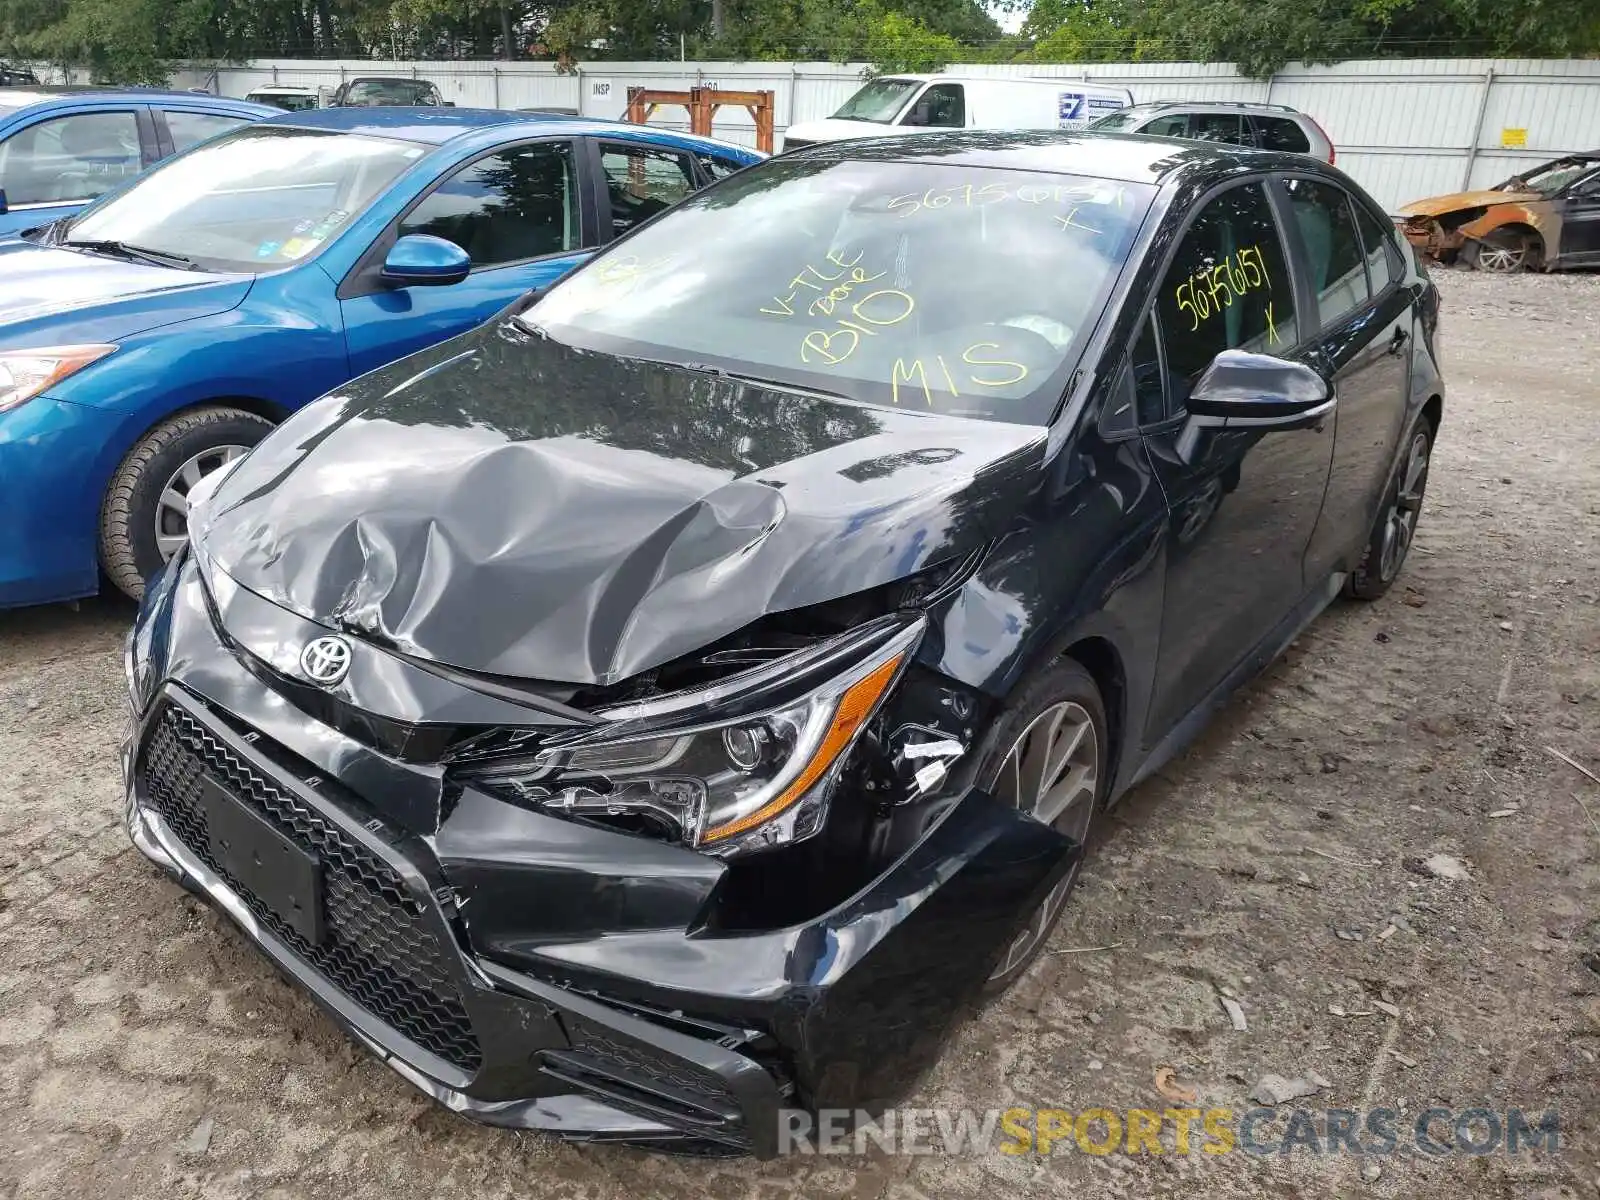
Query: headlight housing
x=26, y=373
x=761, y=775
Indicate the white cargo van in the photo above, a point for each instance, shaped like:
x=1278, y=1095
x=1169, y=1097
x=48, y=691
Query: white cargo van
x=924, y=103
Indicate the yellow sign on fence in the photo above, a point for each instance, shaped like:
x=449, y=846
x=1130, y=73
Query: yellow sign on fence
x=1514, y=139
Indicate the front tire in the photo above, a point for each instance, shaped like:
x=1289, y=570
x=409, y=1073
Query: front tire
x=1504, y=252
x=143, y=518
x=1048, y=754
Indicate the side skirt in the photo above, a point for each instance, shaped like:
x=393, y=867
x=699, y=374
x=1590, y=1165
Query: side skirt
x=1262, y=656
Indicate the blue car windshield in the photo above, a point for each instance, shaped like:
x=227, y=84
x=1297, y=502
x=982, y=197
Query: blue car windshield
x=923, y=285
x=256, y=200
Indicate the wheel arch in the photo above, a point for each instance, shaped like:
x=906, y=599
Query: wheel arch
x=1100, y=658
x=133, y=435
x=1540, y=249
x=1433, y=411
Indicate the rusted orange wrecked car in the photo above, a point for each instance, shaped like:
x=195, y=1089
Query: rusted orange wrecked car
x=1541, y=220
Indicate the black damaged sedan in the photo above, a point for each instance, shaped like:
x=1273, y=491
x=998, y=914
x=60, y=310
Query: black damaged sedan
x=675, y=701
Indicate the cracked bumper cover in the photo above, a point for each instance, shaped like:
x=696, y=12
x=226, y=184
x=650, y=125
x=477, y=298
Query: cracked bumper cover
x=658, y=1032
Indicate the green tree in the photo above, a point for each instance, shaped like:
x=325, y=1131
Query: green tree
x=897, y=43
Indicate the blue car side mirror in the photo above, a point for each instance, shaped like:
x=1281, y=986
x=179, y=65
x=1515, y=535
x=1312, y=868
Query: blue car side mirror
x=2, y=202
x=421, y=260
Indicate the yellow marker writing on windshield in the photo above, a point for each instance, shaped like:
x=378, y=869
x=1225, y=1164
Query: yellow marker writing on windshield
x=1070, y=222
x=968, y=358
x=913, y=373
x=828, y=347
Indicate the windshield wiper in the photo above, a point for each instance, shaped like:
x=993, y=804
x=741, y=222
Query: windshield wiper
x=703, y=368
x=155, y=258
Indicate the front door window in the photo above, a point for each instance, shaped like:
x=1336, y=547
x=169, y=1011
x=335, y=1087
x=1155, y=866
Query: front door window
x=518, y=204
x=76, y=157
x=942, y=106
x=1228, y=288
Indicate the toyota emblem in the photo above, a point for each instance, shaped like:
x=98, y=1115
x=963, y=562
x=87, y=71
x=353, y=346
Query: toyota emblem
x=326, y=660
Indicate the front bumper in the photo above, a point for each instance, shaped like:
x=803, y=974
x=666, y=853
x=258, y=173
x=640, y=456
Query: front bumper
x=497, y=962
x=51, y=475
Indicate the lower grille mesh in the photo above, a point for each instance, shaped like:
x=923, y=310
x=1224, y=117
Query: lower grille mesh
x=377, y=946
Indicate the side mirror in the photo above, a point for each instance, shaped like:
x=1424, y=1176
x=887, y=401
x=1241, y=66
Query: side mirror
x=1244, y=392
x=3, y=208
x=422, y=260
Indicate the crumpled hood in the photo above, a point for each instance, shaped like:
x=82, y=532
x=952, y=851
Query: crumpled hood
x=68, y=296
x=1438, y=206
x=507, y=505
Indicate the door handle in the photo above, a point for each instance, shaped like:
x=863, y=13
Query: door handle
x=1398, y=341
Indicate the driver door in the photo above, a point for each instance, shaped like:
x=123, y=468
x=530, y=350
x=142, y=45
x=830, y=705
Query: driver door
x=941, y=106
x=1243, y=503
x=1580, y=222
x=517, y=212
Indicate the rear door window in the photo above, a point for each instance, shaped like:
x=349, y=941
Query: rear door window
x=1280, y=133
x=1384, y=264
x=718, y=166
x=1217, y=127
x=642, y=181
x=1334, y=255
x=1228, y=288
x=191, y=128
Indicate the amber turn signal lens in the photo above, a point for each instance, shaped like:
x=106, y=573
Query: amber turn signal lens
x=855, y=706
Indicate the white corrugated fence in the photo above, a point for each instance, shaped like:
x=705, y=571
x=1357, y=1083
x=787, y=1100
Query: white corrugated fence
x=1404, y=128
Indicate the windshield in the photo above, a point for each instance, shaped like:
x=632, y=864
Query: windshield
x=288, y=101
x=1552, y=177
x=879, y=101
x=253, y=201
x=369, y=93
x=958, y=289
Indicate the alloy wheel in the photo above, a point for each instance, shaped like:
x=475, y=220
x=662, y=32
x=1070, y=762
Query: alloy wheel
x=1502, y=257
x=1052, y=773
x=1400, y=523
x=172, y=508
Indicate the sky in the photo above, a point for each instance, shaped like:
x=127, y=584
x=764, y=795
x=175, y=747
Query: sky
x=1009, y=21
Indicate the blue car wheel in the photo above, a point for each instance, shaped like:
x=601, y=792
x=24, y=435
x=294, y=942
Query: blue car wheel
x=143, y=519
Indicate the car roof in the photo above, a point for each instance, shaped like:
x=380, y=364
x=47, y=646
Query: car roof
x=957, y=77
x=436, y=126
x=28, y=95
x=1226, y=105
x=1130, y=158
x=390, y=79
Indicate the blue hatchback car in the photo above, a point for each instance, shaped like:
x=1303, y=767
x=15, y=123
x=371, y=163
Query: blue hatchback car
x=63, y=147
x=158, y=334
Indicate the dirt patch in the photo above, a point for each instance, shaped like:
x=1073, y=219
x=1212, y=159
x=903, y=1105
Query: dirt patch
x=146, y=1050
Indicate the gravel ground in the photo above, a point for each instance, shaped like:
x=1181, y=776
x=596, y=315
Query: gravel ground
x=145, y=1049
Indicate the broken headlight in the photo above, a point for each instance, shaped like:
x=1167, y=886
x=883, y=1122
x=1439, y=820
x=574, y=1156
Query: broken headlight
x=724, y=783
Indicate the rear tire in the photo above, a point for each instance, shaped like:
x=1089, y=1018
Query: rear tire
x=142, y=516
x=1060, y=712
x=1396, y=527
